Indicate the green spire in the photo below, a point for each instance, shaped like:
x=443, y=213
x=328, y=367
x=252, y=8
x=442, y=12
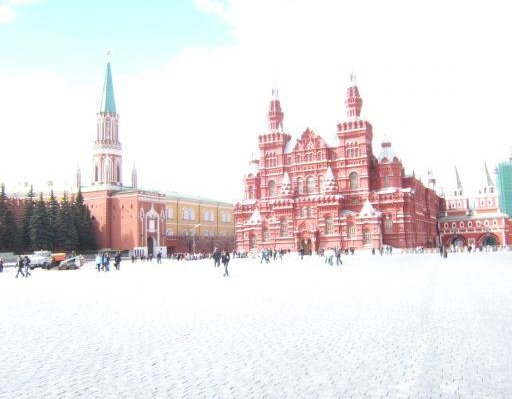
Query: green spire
x=108, y=103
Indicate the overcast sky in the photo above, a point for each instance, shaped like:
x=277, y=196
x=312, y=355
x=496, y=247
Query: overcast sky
x=193, y=79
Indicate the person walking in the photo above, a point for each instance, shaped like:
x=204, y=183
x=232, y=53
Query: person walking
x=225, y=262
x=117, y=261
x=26, y=263
x=1, y=265
x=19, y=263
x=216, y=257
x=337, y=253
x=159, y=256
x=98, y=262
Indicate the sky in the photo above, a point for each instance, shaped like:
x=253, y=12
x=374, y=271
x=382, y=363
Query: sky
x=193, y=79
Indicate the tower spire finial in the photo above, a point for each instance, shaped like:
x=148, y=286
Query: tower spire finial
x=459, y=184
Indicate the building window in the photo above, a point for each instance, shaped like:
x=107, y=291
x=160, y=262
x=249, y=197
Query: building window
x=310, y=184
x=454, y=225
x=169, y=213
x=96, y=177
x=486, y=223
x=300, y=186
x=321, y=182
x=386, y=181
x=354, y=180
x=461, y=224
x=478, y=223
x=253, y=241
x=351, y=231
x=328, y=226
x=304, y=212
x=367, y=237
x=271, y=188
x=266, y=235
x=446, y=225
x=169, y=233
x=184, y=214
x=250, y=193
x=470, y=224
x=388, y=225
x=495, y=222
x=283, y=228
x=308, y=212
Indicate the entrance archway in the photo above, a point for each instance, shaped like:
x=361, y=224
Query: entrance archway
x=150, y=245
x=489, y=240
x=305, y=244
x=458, y=241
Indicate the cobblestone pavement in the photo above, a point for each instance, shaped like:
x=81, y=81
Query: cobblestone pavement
x=401, y=326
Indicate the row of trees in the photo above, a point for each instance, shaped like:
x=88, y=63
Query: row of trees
x=203, y=244
x=45, y=224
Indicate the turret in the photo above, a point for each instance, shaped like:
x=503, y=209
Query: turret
x=353, y=102
x=275, y=115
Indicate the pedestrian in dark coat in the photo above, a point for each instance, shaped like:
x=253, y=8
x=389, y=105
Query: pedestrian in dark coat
x=216, y=257
x=26, y=263
x=117, y=260
x=19, y=263
x=225, y=262
x=1, y=265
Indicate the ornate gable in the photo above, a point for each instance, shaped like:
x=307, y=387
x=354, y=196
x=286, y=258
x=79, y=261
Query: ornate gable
x=309, y=141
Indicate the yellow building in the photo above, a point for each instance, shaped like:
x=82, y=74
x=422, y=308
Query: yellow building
x=197, y=224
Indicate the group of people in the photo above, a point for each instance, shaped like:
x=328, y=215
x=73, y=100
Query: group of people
x=23, y=263
x=332, y=253
x=103, y=261
x=221, y=256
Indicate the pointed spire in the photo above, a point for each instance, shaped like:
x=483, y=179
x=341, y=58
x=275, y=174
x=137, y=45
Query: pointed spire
x=368, y=209
x=459, y=184
x=275, y=115
x=490, y=183
x=108, y=102
x=330, y=185
x=78, y=177
x=134, y=176
x=353, y=102
x=255, y=217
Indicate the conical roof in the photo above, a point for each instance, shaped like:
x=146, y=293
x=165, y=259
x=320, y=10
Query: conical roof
x=108, y=102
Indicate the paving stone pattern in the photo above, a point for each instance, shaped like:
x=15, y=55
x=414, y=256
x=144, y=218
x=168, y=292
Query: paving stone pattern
x=400, y=326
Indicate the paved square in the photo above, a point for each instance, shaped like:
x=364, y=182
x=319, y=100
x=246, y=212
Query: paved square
x=401, y=326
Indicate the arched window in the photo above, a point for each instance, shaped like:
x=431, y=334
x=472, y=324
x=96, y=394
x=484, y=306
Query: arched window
x=354, y=180
x=308, y=211
x=192, y=214
x=388, y=225
x=351, y=231
x=96, y=175
x=271, y=188
x=300, y=186
x=328, y=225
x=253, y=241
x=298, y=159
x=118, y=174
x=250, y=193
x=169, y=233
x=321, y=182
x=304, y=212
x=283, y=228
x=386, y=181
x=266, y=235
x=367, y=236
x=310, y=184
x=169, y=213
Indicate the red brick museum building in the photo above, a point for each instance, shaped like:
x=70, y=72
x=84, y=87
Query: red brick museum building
x=322, y=192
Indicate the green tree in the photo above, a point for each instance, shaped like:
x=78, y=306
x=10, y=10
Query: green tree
x=8, y=228
x=53, y=212
x=24, y=240
x=40, y=237
x=83, y=223
x=67, y=236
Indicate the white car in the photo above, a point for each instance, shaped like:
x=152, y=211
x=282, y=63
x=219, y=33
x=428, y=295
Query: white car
x=40, y=259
